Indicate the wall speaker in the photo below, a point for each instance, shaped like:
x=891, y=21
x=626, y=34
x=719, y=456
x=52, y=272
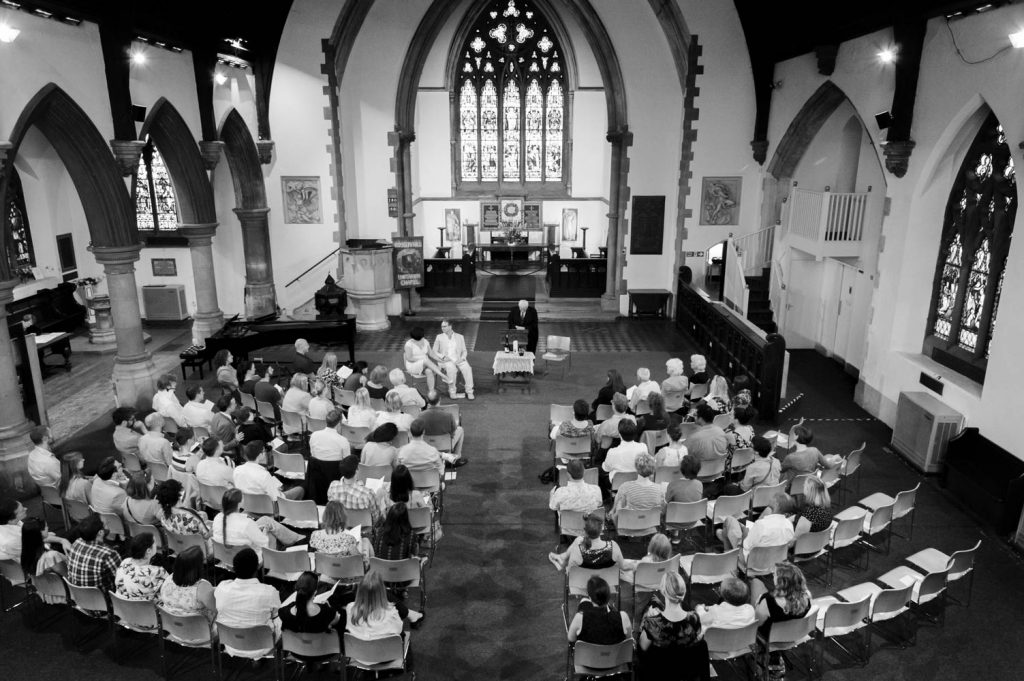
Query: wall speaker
x=883, y=119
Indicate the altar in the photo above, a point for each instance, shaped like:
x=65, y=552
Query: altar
x=513, y=255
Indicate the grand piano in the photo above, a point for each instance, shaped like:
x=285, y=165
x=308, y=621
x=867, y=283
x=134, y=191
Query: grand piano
x=242, y=337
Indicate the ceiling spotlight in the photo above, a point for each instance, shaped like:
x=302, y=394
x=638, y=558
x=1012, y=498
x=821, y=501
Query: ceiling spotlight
x=138, y=58
x=8, y=33
x=1017, y=39
x=219, y=78
x=887, y=56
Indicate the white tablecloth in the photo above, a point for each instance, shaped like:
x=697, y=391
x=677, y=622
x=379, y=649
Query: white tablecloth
x=509, y=362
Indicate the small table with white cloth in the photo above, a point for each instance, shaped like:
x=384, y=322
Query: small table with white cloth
x=511, y=367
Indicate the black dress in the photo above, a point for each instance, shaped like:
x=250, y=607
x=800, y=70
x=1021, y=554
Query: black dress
x=602, y=626
x=677, y=652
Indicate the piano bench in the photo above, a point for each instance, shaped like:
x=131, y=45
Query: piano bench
x=194, y=358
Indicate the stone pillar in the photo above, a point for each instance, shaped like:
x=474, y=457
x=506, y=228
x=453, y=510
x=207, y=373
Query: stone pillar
x=620, y=140
x=134, y=371
x=260, y=296
x=208, y=318
x=14, y=427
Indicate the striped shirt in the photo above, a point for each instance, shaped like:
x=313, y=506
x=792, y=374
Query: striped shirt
x=642, y=494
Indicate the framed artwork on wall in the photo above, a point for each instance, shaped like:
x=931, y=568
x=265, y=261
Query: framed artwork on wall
x=720, y=201
x=165, y=267
x=531, y=216
x=570, y=224
x=453, y=223
x=512, y=211
x=489, y=215
x=301, y=200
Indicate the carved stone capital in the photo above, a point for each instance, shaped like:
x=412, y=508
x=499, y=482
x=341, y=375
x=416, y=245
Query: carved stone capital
x=127, y=153
x=265, y=149
x=622, y=137
x=826, y=55
x=198, y=234
x=210, y=151
x=117, y=259
x=897, y=156
x=760, y=148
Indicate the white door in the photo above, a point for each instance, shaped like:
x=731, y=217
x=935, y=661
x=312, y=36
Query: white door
x=844, y=322
x=802, y=319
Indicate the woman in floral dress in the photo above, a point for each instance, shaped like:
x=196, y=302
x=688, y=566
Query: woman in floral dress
x=136, y=578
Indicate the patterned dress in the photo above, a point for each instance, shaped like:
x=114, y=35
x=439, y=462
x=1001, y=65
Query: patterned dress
x=334, y=543
x=181, y=600
x=138, y=582
x=677, y=650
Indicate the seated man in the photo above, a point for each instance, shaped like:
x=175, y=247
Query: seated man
x=577, y=495
x=266, y=389
x=252, y=478
x=90, y=561
x=688, y=488
x=453, y=357
x=153, y=446
x=417, y=454
x=222, y=426
x=644, y=387
x=301, y=363
x=245, y=602
x=765, y=469
x=213, y=469
x=709, y=441
x=409, y=395
x=642, y=494
x=165, y=402
x=419, y=357
x=609, y=429
x=804, y=459
x=198, y=410
x=43, y=465
x=772, y=528
x=127, y=430
x=622, y=459
x=735, y=610
x=328, y=444
x=352, y=493
x=107, y=494
x=438, y=421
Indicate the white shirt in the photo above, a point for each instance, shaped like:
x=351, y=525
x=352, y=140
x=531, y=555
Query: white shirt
x=328, y=445
x=44, y=467
x=726, y=616
x=253, y=478
x=10, y=542
x=198, y=414
x=622, y=459
x=166, y=403
x=416, y=351
x=215, y=471
x=245, y=602
x=769, y=530
x=451, y=349
x=410, y=396
x=242, y=531
x=154, y=447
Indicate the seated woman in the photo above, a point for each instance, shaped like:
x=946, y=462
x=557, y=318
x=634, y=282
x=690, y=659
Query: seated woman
x=227, y=375
x=371, y=616
x=319, y=405
x=789, y=600
x=671, y=646
x=378, y=450
x=296, y=398
x=136, y=577
x=175, y=517
x=766, y=468
x=393, y=538
x=590, y=550
x=140, y=507
x=699, y=366
x=334, y=539
x=73, y=484
x=740, y=433
x=597, y=621
x=676, y=382
x=328, y=374
x=377, y=383
x=419, y=357
x=38, y=554
x=180, y=593
x=393, y=412
x=578, y=426
x=402, y=490
x=718, y=395
x=659, y=549
x=815, y=513
x=303, y=615
x=361, y=414
x=613, y=385
x=658, y=419
x=687, y=488
x=233, y=527
x=671, y=455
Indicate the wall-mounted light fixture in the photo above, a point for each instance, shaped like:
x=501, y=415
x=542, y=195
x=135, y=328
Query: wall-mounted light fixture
x=219, y=78
x=1017, y=39
x=8, y=33
x=887, y=55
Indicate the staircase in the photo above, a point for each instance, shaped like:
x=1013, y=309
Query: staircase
x=759, y=310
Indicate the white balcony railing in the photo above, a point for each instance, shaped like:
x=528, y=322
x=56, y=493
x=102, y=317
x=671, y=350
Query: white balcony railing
x=828, y=223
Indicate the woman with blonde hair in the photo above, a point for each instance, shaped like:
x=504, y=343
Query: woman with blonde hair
x=361, y=414
x=815, y=512
x=788, y=600
x=377, y=383
x=393, y=412
x=677, y=380
x=74, y=485
x=319, y=404
x=699, y=366
x=371, y=616
x=718, y=395
x=332, y=538
x=297, y=397
x=328, y=373
x=659, y=549
x=671, y=646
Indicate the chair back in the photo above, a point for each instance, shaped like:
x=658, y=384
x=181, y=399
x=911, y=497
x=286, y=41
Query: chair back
x=88, y=599
x=712, y=568
x=931, y=587
x=51, y=496
x=763, y=494
x=597, y=658
x=421, y=519
x=571, y=523
x=711, y=469
x=674, y=400
x=134, y=615
x=890, y=603
x=573, y=447
x=791, y=633
x=648, y=575
x=135, y=529
x=962, y=562
x=247, y=639
x=590, y=476
x=736, y=506
x=225, y=555
x=159, y=471
x=667, y=474
x=280, y=564
x=375, y=651
x=289, y=462
x=249, y=401
x=881, y=518
x=356, y=436
x=339, y=568
x=742, y=457
x=113, y=524
x=131, y=462
x=603, y=412
x=559, y=344
x=727, y=644
x=453, y=409
x=313, y=425
x=723, y=420
x=642, y=408
x=412, y=410
x=442, y=443
x=201, y=432
x=654, y=439
x=266, y=411
x=685, y=513
x=810, y=544
x=904, y=502
x=620, y=478
x=846, y=531
x=687, y=429
x=698, y=391
x=425, y=478
x=844, y=618
x=12, y=571
x=852, y=462
x=258, y=504
x=345, y=398
x=577, y=578
x=311, y=645
x=179, y=542
x=634, y=523
x=298, y=513
x=292, y=422
x=799, y=484
x=377, y=404
x=830, y=476
x=364, y=472
x=212, y=495
x=762, y=559
x=50, y=587
x=77, y=510
x=358, y=517
x=189, y=630
x=396, y=571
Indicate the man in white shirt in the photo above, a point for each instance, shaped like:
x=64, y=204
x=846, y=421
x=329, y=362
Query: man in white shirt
x=253, y=478
x=773, y=528
x=245, y=602
x=577, y=495
x=327, y=444
x=213, y=469
x=450, y=348
x=165, y=402
x=198, y=410
x=410, y=396
x=610, y=428
x=153, y=446
x=107, y=494
x=43, y=466
x=622, y=459
x=644, y=387
x=417, y=454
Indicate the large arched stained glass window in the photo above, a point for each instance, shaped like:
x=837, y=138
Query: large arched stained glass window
x=20, y=254
x=511, y=86
x=156, y=208
x=972, y=260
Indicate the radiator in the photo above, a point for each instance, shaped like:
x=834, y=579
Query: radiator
x=164, y=302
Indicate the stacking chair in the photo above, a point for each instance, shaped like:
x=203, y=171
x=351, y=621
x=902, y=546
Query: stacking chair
x=880, y=520
x=113, y=524
x=179, y=542
x=92, y=602
x=711, y=469
x=928, y=589
x=603, y=412
x=799, y=484
x=401, y=572
x=959, y=563
x=698, y=391
x=590, y=476
x=886, y=606
x=248, y=401
x=356, y=436
x=421, y=519
x=723, y=420
x=52, y=500
x=50, y=589
x=429, y=480
x=251, y=640
x=442, y=443
x=289, y=465
x=840, y=619
x=684, y=516
x=591, y=660
x=135, y=529
x=710, y=568
x=576, y=579
x=741, y=458
x=791, y=634
x=268, y=413
x=559, y=351
x=811, y=546
x=731, y=644
x=364, y=472
x=377, y=655
x=762, y=559
x=572, y=448
x=763, y=494
x=313, y=425
x=130, y=461
x=137, y=616
x=358, y=517
x=654, y=439
x=620, y=478
x=159, y=471
x=258, y=504
x=648, y=577
x=285, y=565
x=310, y=646
x=11, y=572
x=736, y=505
x=334, y=568
x=903, y=505
x=190, y=631
x=849, y=467
x=293, y=424
x=299, y=514
x=633, y=523
x=845, y=533
x=212, y=495
x=225, y=555
x=75, y=510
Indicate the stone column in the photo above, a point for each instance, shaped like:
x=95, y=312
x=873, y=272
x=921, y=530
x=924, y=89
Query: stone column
x=208, y=318
x=134, y=371
x=260, y=296
x=14, y=427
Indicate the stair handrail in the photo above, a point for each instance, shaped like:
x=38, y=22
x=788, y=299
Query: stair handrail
x=313, y=266
x=756, y=250
x=735, y=290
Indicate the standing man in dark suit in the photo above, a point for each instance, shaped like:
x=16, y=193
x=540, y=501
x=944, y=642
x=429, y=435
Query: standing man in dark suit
x=524, y=317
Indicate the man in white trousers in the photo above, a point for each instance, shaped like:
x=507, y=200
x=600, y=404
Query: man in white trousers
x=450, y=348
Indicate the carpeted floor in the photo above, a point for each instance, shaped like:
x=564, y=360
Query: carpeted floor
x=494, y=607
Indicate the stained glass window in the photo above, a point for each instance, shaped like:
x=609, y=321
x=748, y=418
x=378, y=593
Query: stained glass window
x=21, y=256
x=972, y=261
x=156, y=208
x=511, y=102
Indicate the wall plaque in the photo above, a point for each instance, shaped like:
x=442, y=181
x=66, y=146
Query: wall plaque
x=647, y=227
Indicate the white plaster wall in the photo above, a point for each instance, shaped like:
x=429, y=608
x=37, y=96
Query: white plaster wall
x=237, y=92
x=949, y=96
x=591, y=152
x=431, y=160
x=169, y=75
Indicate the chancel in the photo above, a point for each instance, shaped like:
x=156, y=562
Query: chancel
x=767, y=245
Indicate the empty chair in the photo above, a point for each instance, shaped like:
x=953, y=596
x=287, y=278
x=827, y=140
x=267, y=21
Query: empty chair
x=880, y=520
x=845, y=533
x=731, y=644
x=225, y=555
x=285, y=565
x=377, y=655
x=299, y=514
x=290, y=465
x=667, y=474
x=903, y=505
x=928, y=589
x=114, y=525
x=594, y=661
x=346, y=398
x=189, y=631
x=959, y=563
x=886, y=605
x=358, y=517
x=52, y=501
x=850, y=466
x=137, y=616
x=711, y=469
x=710, y=568
x=572, y=447
x=10, y=571
x=258, y=504
x=762, y=559
x=559, y=351
x=267, y=412
x=811, y=546
x=249, y=642
x=633, y=523
x=839, y=619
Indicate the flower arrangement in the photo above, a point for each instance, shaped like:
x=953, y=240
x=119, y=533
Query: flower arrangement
x=86, y=281
x=513, y=230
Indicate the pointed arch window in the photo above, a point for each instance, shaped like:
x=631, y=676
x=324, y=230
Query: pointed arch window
x=156, y=207
x=510, y=78
x=972, y=260
x=20, y=254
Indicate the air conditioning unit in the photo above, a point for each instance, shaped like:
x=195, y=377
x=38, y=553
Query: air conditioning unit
x=924, y=426
x=164, y=302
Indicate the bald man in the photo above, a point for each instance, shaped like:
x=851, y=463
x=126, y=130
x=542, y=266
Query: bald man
x=524, y=318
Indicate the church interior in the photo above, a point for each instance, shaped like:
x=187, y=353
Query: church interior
x=818, y=198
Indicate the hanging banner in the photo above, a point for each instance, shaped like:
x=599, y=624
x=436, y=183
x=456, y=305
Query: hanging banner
x=408, y=265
